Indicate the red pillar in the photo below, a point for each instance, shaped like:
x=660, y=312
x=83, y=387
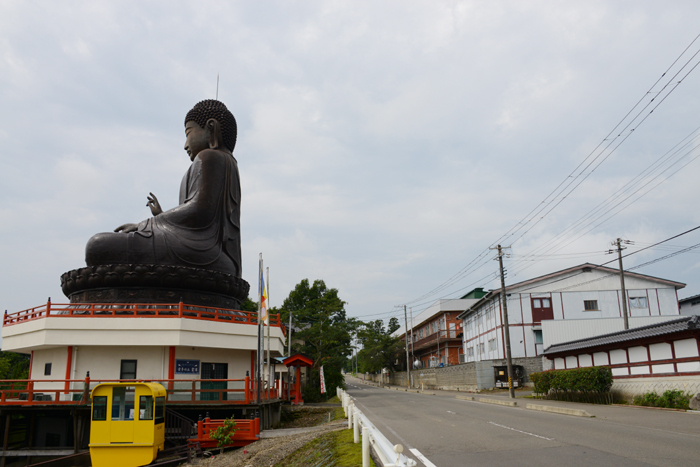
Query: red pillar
x=69, y=362
x=171, y=367
x=297, y=389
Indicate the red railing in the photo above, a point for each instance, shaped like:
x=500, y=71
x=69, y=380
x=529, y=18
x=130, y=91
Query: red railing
x=247, y=431
x=179, y=391
x=135, y=310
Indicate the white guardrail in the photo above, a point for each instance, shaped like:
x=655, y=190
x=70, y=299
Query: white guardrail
x=389, y=455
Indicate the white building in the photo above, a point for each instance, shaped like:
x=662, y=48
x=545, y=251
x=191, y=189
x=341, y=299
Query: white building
x=582, y=292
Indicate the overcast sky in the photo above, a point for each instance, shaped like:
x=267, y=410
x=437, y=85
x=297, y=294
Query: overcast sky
x=382, y=147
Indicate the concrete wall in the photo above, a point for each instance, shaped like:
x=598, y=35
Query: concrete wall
x=628, y=388
x=472, y=376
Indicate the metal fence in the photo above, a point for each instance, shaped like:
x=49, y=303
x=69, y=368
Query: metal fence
x=389, y=455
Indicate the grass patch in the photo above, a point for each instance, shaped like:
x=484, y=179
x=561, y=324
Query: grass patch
x=307, y=416
x=335, y=449
x=334, y=400
x=339, y=414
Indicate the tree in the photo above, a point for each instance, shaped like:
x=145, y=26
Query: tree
x=13, y=366
x=325, y=332
x=379, y=348
x=249, y=305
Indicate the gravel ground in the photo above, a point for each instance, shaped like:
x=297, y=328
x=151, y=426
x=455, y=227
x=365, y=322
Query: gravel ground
x=266, y=452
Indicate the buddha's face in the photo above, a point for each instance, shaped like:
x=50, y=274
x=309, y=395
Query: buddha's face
x=197, y=139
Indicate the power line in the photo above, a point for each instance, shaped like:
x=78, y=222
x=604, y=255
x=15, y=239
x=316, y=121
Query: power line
x=560, y=193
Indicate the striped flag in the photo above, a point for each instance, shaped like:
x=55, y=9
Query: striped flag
x=263, y=296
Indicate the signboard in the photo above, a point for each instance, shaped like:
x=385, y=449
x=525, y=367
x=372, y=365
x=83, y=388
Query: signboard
x=323, y=382
x=186, y=367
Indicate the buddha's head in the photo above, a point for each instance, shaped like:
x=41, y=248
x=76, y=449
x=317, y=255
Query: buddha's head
x=209, y=125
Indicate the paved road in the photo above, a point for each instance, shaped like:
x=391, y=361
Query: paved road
x=455, y=433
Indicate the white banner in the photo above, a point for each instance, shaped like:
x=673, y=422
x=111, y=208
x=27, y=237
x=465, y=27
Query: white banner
x=323, y=382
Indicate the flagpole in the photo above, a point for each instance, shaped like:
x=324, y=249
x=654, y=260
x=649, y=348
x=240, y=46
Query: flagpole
x=267, y=303
x=258, y=376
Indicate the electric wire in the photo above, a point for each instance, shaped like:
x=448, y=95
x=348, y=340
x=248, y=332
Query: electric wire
x=557, y=195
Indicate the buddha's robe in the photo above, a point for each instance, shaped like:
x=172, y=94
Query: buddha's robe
x=202, y=232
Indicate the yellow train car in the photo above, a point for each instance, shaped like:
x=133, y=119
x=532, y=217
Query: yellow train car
x=128, y=424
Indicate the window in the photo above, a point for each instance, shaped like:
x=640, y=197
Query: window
x=123, y=403
x=146, y=408
x=542, y=309
x=482, y=348
x=160, y=410
x=492, y=344
x=99, y=408
x=538, y=337
x=590, y=305
x=128, y=369
x=468, y=326
x=470, y=351
x=47, y=369
x=638, y=302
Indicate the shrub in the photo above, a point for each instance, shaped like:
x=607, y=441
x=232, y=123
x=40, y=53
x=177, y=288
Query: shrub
x=594, y=379
x=670, y=399
x=223, y=435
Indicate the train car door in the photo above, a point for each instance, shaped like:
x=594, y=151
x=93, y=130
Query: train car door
x=122, y=426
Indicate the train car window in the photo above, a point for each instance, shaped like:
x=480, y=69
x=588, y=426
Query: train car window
x=146, y=408
x=123, y=403
x=160, y=410
x=99, y=408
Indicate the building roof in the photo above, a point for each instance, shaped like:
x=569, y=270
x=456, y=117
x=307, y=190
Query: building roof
x=676, y=285
x=686, y=323
x=688, y=299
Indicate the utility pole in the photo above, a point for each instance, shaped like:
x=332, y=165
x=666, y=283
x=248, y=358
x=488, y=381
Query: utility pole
x=408, y=361
x=509, y=360
x=413, y=356
x=618, y=242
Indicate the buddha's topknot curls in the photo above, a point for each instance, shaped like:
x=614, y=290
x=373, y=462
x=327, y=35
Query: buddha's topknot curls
x=211, y=108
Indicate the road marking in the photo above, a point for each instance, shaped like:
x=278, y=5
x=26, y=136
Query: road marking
x=523, y=432
x=422, y=458
x=453, y=413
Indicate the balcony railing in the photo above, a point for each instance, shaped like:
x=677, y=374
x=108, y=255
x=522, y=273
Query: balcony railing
x=136, y=310
x=179, y=391
x=432, y=339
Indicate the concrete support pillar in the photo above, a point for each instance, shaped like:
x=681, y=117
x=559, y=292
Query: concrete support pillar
x=356, y=427
x=365, y=446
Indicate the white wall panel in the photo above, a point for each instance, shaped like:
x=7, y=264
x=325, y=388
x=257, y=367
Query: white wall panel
x=686, y=348
x=639, y=370
x=600, y=359
x=660, y=351
x=571, y=362
x=667, y=368
x=638, y=354
x=688, y=366
x=585, y=360
x=620, y=372
x=559, y=364
x=557, y=331
x=618, y=356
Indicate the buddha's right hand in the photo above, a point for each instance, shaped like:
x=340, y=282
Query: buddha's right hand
x=126, y=228
x=154, y=204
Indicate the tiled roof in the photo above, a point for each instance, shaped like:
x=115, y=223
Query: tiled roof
x=667, y=327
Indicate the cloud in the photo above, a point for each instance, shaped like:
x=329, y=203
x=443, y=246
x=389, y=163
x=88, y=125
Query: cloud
x=382, y=146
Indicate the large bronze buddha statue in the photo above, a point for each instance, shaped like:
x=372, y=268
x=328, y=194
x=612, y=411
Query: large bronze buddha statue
x=194, y=246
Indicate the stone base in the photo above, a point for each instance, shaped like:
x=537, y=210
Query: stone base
x=146, y=283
